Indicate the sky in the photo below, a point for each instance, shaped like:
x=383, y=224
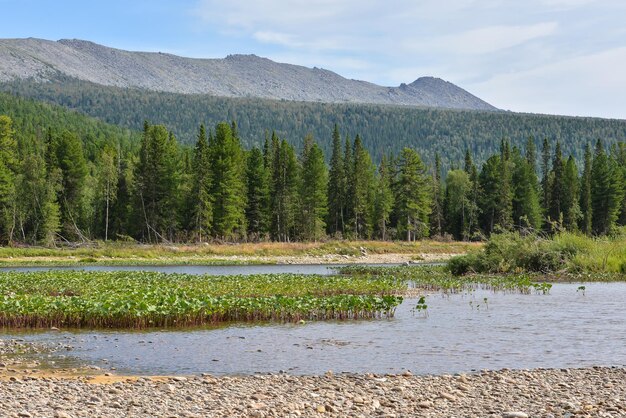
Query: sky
x=563, y=57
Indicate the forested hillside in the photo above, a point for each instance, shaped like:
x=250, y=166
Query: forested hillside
x=67, y=178
x=383, y=129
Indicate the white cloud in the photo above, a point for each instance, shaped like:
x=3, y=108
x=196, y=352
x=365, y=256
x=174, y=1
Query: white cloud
x=508, y=53
x=493, y=38
x=593, y=81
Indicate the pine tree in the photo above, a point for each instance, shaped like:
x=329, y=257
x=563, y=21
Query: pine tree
x=73, y=171
x=545, y=179
x=555, y=209
x=384, y=199
x=200, y=197
x=585, y=193
x=229, y=189
x=606, y=192
x=413, y=196
x=284, y=191
x=107, y=182
x=458, y=189
x=571, y=196
x=526, y=206
x=504, y=213
x=362, y=203
x=314, y=192
x=489, y=180
x=437, y=211
x=8, y=166
x=336, y=187
x=258, y=208
x=157, y=181
x=348, y=171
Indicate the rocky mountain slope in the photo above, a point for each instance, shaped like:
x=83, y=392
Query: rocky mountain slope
x=233, y=76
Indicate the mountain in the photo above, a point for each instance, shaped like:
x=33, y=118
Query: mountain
x=233, y=76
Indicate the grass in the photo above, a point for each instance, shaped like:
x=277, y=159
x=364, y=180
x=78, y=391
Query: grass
x=245, y=253
x=564, y=253
x=147, y=299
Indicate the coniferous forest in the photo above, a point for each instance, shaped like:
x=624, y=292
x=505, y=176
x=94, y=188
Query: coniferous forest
x=67, y=178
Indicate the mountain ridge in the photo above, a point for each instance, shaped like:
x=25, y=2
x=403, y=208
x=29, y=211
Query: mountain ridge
x=236, y=75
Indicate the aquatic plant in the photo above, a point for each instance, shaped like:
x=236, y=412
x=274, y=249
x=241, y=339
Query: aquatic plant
x=149, y=299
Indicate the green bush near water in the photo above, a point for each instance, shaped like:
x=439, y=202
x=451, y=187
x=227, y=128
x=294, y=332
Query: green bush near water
x=566, y=252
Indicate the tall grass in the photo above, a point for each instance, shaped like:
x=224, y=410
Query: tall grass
x=565, y=252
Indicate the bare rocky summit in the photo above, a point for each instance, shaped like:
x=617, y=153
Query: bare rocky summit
x=233, y=76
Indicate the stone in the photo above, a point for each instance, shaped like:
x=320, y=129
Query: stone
x=515, y=414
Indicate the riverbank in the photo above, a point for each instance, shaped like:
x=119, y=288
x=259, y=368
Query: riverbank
x=332, y=252
x=525, y=393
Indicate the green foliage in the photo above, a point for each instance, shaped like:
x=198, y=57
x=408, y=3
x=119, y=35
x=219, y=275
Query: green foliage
x=566, y=252
x=146, y=299
x=228, y=167
x=413, y=194
x=314, y=192
x=385, y=129
x=258, y=207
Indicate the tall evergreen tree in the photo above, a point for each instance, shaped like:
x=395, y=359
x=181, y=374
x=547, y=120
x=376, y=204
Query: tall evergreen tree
x=258, y=207
x=362, y=203
x=489, y=180
x=284, y=195
x=571, y=196
x=336, y=187
x=555, y=209
x=200, y=197
x=457, y=202
x=526, y=206
x=157, y=181
x=73, y=170
x=504, y=213
x=585, y=193
x=437, y=211
x=605, y=192
x=313, y=195
x=414, y=196
x=8, y=167
x=384, y=201
x=545, y=176
x=229, y=189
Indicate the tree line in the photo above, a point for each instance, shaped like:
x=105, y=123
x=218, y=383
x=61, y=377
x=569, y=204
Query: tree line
x=159, y=191
x=385, y=128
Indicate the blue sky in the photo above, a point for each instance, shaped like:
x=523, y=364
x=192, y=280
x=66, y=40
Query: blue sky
x=544, y=56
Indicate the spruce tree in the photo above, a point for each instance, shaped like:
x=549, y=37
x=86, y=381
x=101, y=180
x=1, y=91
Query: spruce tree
x=229, y=190
x=284, y=195
x=384, y=201
x=336, y=187
x=504, y=213
x=457, y=202
x=526, y=206
x=8, y=167
x=413, y=196
x=606, y=192
x=200, y=198
x=545, y=176
x=437, y=211
x=555, y=209
x=571, y=196
x=157, y=183
x=585, y=193
x=489, y=180
x=258, y=200
x=362, y=203
x=314, y=192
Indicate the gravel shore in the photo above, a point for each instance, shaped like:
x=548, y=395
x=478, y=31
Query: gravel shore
x=597, y=392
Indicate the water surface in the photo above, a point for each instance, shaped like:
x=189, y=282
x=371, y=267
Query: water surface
x=562, y=329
